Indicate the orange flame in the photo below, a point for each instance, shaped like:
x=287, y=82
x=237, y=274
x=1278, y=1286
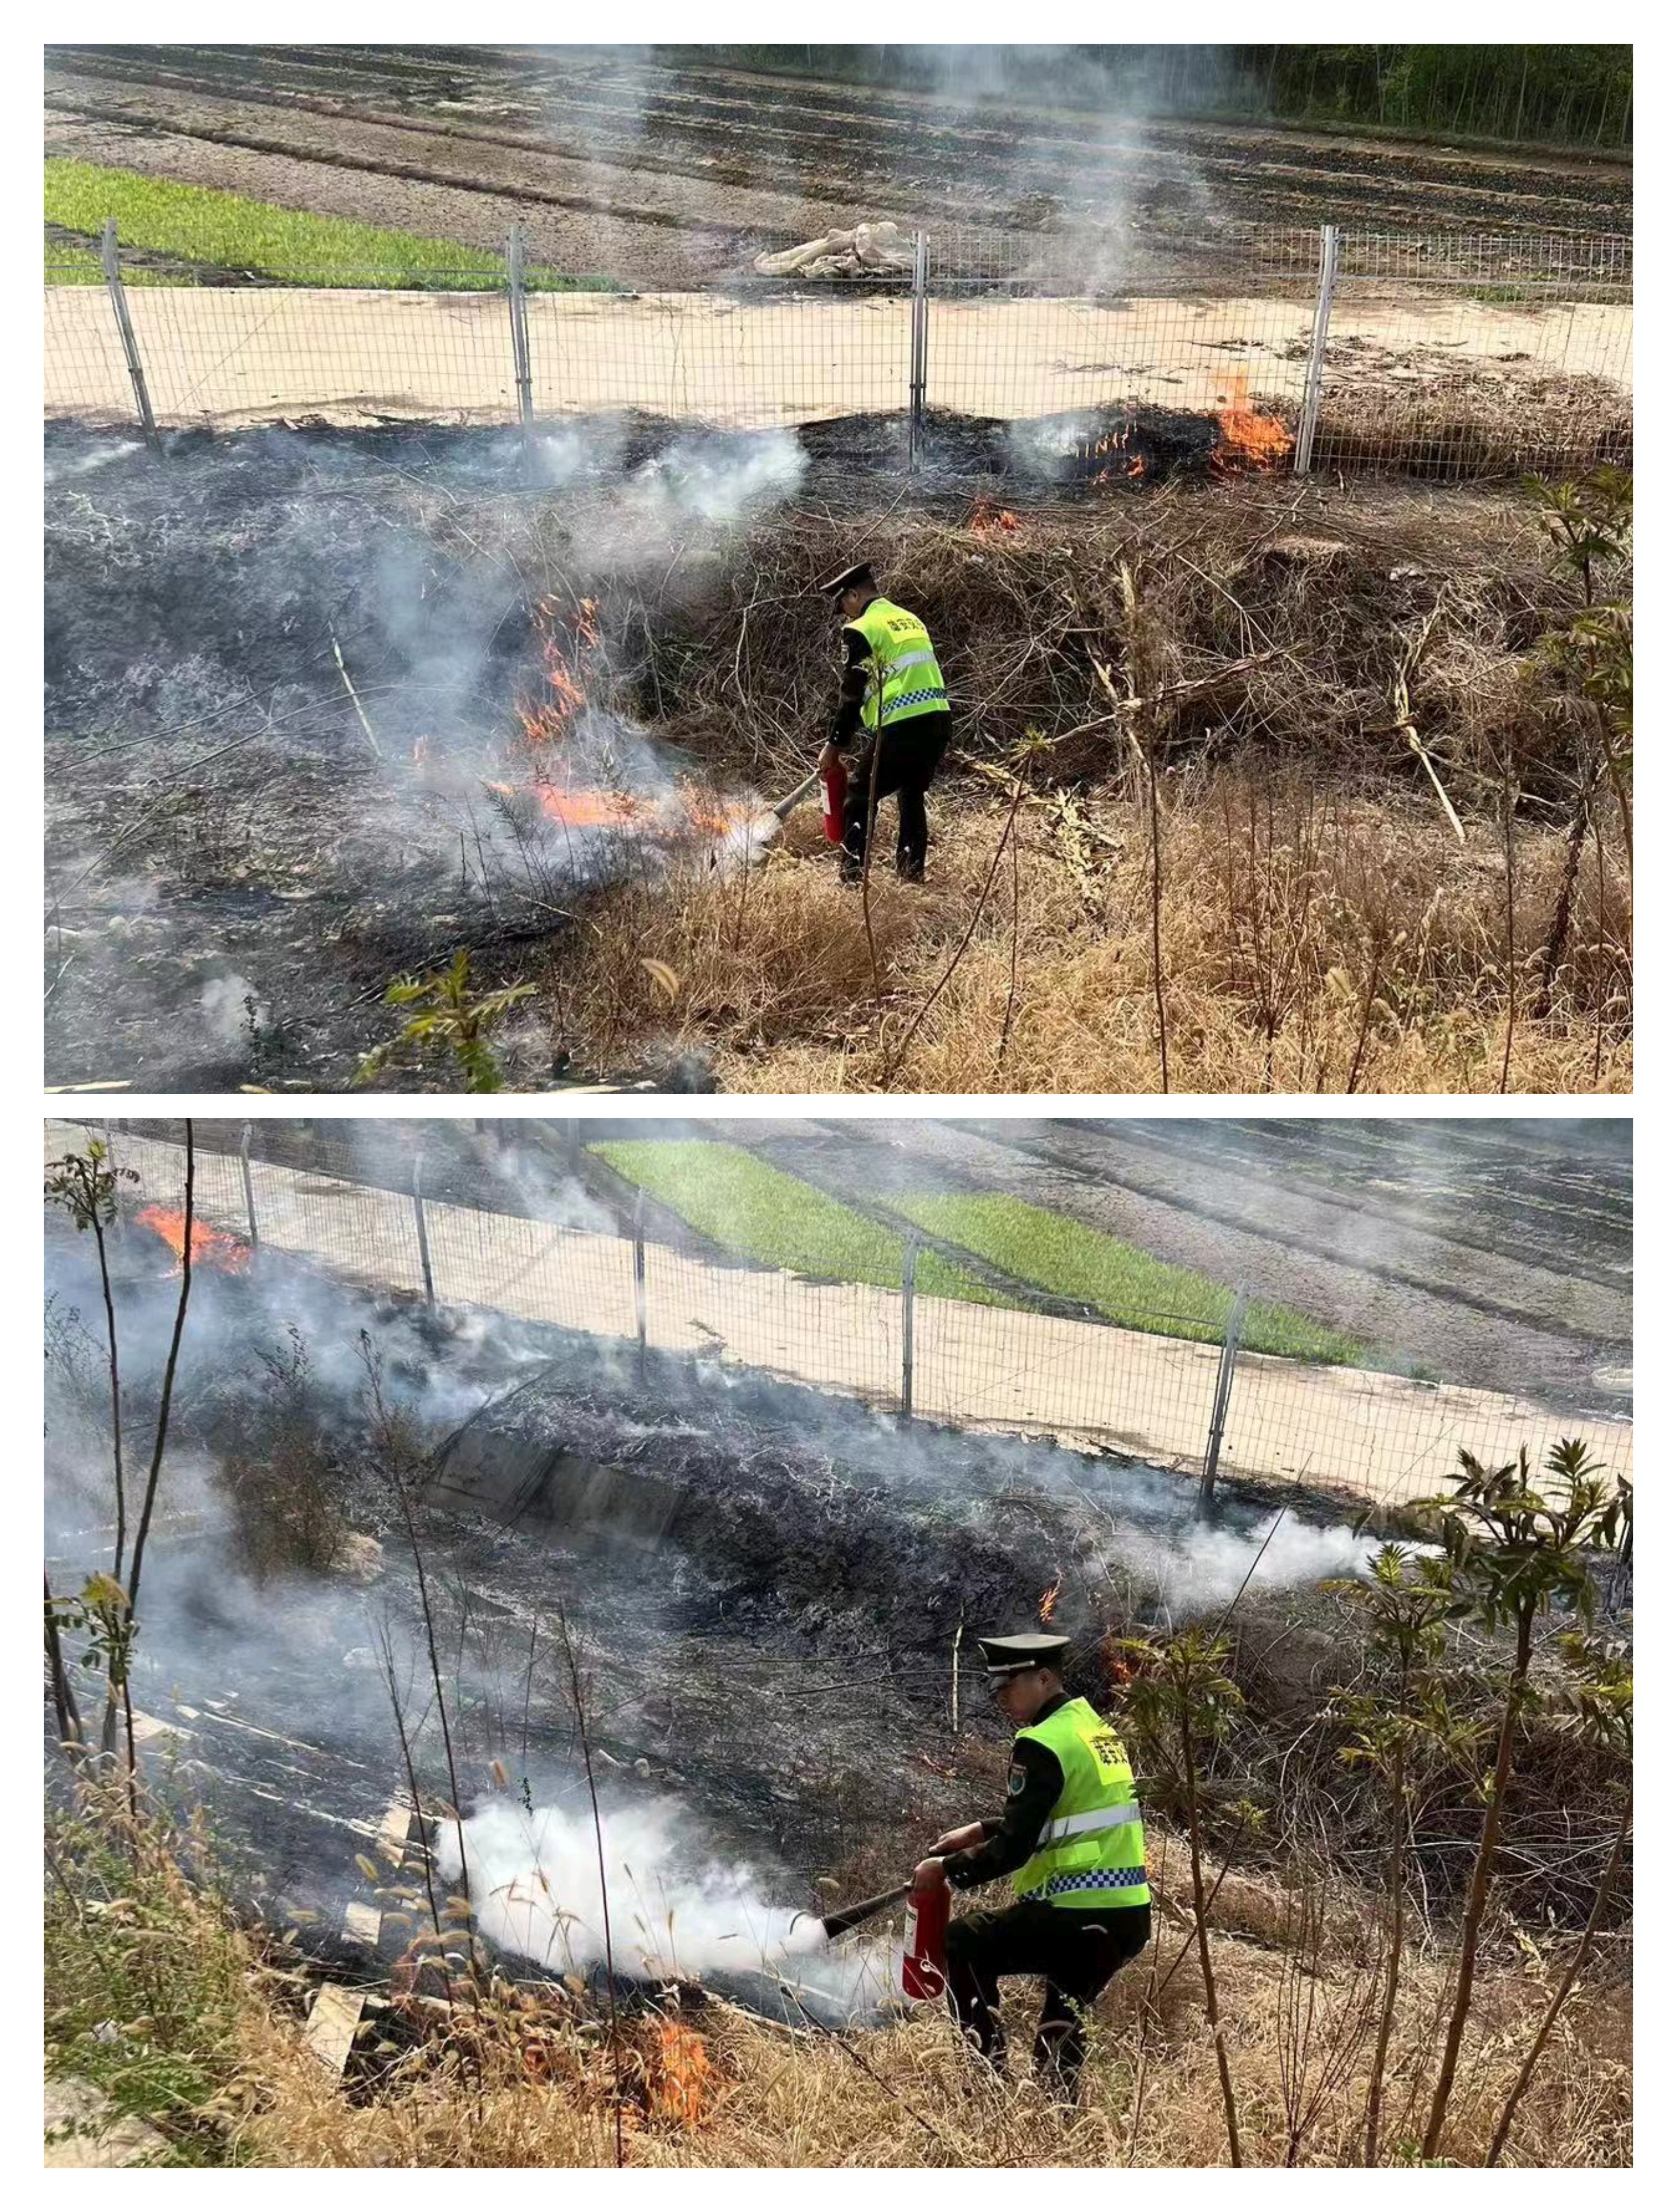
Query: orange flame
x=685, y=814
x=989, y=520
x=211, y=1247
x=547, y=719
x=685, y=2076
x=579, y=807
x=1050, y=1601
x=1123, y=462
x=1248, y=440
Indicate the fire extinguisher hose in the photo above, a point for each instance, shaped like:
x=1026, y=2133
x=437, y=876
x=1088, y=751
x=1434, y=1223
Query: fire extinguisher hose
x=839, y=1923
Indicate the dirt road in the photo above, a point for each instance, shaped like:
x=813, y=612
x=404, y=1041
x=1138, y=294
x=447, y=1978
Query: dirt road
x=1375, y=1435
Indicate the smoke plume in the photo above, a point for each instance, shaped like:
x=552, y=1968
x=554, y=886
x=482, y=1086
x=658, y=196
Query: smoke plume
x=535, y=1883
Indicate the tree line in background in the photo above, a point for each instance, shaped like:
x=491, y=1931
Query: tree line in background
x=1559, y=95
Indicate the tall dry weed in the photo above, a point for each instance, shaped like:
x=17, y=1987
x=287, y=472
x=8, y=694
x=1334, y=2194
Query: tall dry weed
x=1315, y=940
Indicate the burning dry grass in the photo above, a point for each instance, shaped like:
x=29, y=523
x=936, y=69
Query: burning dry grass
x=211, y=1247
x=527, y=2081
x=1311, y=939
x=1349, y=720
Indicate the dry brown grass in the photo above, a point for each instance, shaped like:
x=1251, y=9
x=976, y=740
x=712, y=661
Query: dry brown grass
x=211, y=2045
x=778, y=2097
x=1311, y=938
x=1322, y=926
x=1324, y=592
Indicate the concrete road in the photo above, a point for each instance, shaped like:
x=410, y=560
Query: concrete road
x=227, y=356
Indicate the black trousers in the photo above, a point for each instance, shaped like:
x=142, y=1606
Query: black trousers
x=909, y=757
x=1076, y=1952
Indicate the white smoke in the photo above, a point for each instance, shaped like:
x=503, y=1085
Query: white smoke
x=704, y=481
x=232, y=1009
x=1194, y=1567
x=1040, y=445
x=708, y=481
x=574, y=453
x=64, y=466
x=535, y=1885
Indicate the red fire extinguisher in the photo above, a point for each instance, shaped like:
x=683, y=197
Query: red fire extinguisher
x=835, y=786
x=924, y=1974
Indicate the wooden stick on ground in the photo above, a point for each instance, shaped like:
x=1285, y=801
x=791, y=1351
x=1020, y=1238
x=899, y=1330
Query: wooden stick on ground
x=361, y=715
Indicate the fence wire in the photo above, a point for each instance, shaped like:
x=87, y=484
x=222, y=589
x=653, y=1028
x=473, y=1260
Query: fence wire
x=1452, y=354
x=1474, y=356
x=1142, y=1385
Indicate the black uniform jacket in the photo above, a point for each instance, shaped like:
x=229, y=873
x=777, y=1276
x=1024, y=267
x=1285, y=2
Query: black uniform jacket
x=853, y=690
x=1034, y=1783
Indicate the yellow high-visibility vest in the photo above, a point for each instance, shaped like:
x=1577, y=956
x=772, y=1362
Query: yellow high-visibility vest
x=904, y=678
x=1092, y=1851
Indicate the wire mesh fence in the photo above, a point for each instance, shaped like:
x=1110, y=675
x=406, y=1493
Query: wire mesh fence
x=1453, y=354
x=1476, y=355
x=1164, y=1389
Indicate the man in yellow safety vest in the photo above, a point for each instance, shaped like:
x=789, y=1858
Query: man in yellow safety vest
x=1071, y=1837
x=892, y=688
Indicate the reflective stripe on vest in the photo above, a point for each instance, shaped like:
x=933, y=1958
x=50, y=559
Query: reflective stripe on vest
x=1132, y=1888
x=896, y=642
x=1085, y=1824
x=1091, y=1847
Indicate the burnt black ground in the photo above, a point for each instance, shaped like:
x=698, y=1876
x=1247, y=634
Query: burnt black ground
x=763, y=1584
x=234, y=873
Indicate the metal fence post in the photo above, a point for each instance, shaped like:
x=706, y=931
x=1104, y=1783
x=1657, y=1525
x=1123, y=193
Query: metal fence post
x=521, y=326
x=917, y=352
x=424, y=1238
x=108, y=254
x=1225, y=1382
x=1327, y=270
x=245, y=1168
x=910, y=1255
x=641, y=1281
x=1618, y=1577
x=110, y=1129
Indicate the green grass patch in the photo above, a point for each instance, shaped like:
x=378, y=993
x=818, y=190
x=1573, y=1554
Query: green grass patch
x=741, y=1202
x=80, y=264
x=144, y=1978
x=1057, y=1254
x=225, y=230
